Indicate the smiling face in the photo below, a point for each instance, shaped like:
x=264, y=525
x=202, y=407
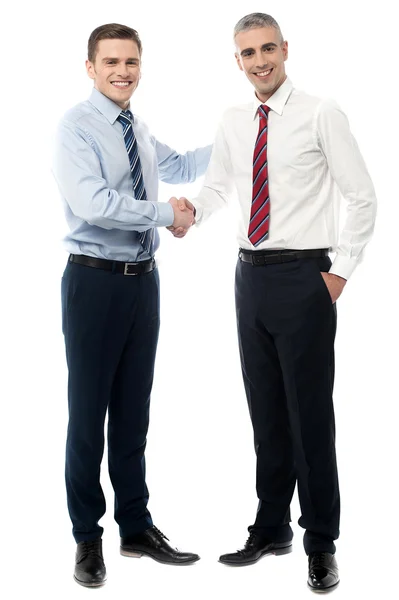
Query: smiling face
x=116, y=69
x=261, y=55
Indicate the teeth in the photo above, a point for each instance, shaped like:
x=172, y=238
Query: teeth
x=264, y=73
x=120, y=83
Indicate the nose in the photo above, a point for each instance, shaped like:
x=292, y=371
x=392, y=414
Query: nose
x=260, y=60
x=123, y=71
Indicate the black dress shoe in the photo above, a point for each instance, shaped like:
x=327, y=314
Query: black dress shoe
x=323, y=572
x=90, y=568
x=153, y=543
x=255, y=547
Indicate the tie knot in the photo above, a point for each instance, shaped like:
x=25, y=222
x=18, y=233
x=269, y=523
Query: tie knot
x=125, y=114
x=263, y=110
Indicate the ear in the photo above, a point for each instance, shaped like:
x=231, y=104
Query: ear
x=238, y=59
x=90, y=69
x=284, y=48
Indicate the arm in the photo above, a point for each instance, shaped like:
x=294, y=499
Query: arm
x=218, y=184
x=181, y=168
x=349, y=171
x=77, y=170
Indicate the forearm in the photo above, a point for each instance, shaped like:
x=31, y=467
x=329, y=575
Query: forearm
x=349, y=171
x=355, y=235
x=208, y=201
x=181, y=168
x=110, y=210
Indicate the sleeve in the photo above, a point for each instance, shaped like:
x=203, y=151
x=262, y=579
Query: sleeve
x=181, y=168
x=77, y=171
x=218, y=184
x=350, y=173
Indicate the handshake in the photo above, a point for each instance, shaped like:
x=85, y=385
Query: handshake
x=184, y=216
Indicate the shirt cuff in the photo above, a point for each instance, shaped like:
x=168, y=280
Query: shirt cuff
x=343, y=266
x=198, y=211
x=166, y=215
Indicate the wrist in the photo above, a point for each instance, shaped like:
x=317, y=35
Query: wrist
x=338, y=277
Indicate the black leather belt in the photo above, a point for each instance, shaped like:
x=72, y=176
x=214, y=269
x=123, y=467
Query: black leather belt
x=116, y=266
x=270, y=257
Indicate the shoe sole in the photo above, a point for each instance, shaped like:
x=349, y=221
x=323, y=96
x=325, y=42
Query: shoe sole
x=132, y=554
x=325, y=590
x=280, y=551
x=90, y=585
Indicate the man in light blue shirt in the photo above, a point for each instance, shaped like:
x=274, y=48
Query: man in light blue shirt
x=107, y=165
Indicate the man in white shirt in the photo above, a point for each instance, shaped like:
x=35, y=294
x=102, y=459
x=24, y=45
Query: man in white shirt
x=289, y=157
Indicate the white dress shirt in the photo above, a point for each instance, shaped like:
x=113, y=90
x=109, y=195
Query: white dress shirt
x=313, y=159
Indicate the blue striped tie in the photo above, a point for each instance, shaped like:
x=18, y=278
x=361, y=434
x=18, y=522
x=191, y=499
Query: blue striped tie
x=126, y=118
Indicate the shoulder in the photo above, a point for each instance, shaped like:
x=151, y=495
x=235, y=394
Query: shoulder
x=317, y=103
x=237, y=110
x=79, y=124
x=234, y=114
x=78, y=113
x=303, y=99
x=83, y=117
x=318, y=107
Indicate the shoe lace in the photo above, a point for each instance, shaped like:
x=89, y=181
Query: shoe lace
x=318, y=559
x=250, y=541
x=159, y=532
x=91, y=549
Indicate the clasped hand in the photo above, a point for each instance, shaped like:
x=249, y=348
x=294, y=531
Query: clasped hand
x=184, y=216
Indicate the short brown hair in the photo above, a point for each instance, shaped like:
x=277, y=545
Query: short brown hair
x=111, y=31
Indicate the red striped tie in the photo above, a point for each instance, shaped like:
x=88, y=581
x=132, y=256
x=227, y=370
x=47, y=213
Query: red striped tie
x=258, y=229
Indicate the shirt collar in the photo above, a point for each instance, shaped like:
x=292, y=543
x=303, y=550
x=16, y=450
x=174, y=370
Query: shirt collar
x=107, y=107
x=278, y=100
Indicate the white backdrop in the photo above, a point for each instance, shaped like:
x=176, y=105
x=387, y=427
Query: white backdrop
x=200, y=458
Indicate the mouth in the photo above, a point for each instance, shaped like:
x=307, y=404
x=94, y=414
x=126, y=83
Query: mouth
x=121, y=85
x=264, y=74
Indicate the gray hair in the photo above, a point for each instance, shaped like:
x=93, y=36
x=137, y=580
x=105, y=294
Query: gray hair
x=255, y=20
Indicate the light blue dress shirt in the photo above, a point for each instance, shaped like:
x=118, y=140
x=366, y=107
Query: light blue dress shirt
x=91, y=168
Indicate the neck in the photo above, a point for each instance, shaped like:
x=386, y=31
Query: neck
x=265, y=97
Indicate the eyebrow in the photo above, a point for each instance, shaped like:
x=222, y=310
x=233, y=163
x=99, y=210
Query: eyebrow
x=269, y=45
x=117, y=59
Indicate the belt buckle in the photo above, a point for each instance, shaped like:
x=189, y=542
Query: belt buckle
x=126, y=269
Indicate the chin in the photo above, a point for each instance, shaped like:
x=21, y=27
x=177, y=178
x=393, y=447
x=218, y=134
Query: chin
x=268, y=89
